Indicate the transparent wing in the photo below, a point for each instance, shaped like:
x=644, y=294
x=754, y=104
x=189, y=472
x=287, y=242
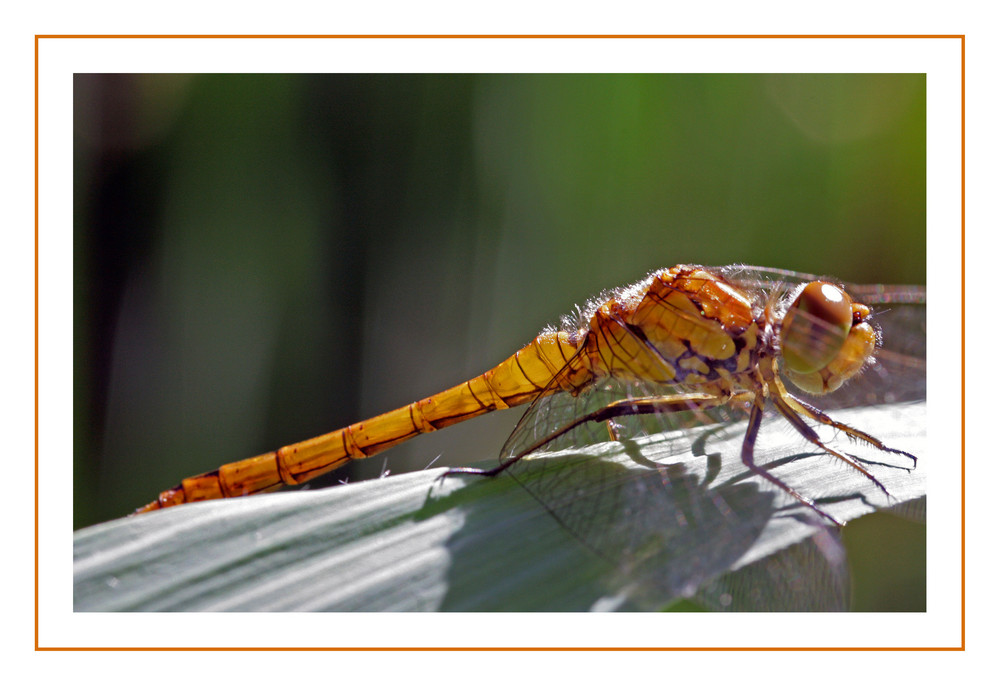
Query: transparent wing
x=669, y=513
x=656, y=522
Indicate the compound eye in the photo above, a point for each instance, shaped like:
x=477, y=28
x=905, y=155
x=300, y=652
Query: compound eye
x=815, y=327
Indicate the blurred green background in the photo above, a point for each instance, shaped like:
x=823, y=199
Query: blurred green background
x=263, y=258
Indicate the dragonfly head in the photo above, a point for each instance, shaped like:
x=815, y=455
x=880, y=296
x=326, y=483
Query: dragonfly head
x=826, y=338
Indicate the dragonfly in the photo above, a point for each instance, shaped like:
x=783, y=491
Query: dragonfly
x=684, y=341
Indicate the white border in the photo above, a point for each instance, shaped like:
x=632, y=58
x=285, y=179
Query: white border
x=61, y=58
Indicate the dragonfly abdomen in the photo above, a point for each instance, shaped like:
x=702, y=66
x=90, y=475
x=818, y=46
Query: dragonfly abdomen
x=517, y=380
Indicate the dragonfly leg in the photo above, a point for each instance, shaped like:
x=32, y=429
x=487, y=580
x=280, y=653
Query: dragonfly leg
x=619, y=408
x=756, y=414
x=802, y=408
x=807, y=432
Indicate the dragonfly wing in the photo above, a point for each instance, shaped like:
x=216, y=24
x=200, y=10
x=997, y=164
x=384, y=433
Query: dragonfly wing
x=659, y=505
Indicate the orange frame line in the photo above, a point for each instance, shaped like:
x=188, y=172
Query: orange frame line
x=499, y=35
x=959, y=37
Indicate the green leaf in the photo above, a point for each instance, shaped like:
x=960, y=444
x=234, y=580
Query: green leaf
x=630, y=525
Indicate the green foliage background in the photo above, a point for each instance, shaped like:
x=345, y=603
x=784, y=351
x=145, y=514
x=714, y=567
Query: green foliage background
x=263, y=258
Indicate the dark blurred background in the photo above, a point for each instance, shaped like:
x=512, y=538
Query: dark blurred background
x=263, y=258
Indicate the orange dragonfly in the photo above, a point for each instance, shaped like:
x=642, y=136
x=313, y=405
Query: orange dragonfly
x=689, y=340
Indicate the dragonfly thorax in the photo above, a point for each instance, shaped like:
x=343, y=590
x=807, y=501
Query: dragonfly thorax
x=685, y=326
